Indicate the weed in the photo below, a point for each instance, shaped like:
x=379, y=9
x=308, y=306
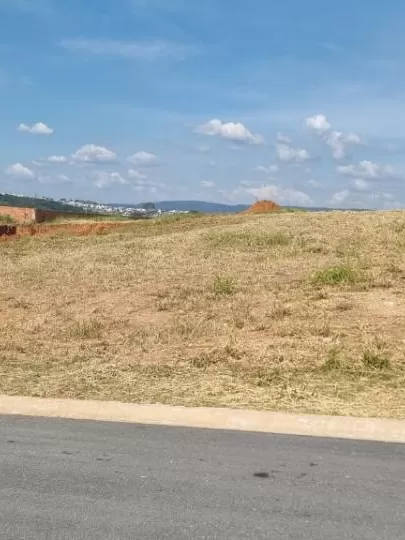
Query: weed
x=91, y=329
x=7, y=219
x=223, y=286
x=333, y=361
x=375, y=359
x=336, y=275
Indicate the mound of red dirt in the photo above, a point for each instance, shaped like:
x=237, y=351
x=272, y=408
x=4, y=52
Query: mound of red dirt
x=262, y=207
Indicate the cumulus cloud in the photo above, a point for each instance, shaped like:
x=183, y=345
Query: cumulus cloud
x=280, y=194
x=367, y=169
x=207, y=184
x=230, y=131
x=287, y=154
x=57, y=160
x=36, y=129
x=318, y=123
x=360, y=184
x=336, y=140
x=141, y=182
x=144, y=159
x=271, y=169
x=90, y=153
x=339, y=141
x=104, y=179
x=283, y=138
x=340, y=197
x=18, y=171
x=136, y=175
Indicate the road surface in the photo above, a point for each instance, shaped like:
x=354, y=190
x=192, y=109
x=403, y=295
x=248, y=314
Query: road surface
x=71, y=480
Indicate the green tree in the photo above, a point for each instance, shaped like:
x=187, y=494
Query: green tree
x=148, y=206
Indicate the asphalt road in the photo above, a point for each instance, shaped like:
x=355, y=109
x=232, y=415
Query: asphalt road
x=92, y=480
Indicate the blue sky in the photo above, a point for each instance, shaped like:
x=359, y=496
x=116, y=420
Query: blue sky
x=221, y=100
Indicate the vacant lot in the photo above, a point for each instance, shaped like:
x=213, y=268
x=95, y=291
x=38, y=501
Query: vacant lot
x=297, y=312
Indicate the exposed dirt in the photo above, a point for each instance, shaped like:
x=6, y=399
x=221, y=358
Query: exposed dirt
x=301, y=312
x=7, y=230
x=262, y=207
x=74, y=229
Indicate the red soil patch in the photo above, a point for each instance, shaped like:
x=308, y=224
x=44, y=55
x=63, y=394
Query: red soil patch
x=73, y=229
x=8, y=230
x=262, y=207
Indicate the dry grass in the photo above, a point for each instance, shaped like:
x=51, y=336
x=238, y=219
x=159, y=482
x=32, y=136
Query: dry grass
x=297, y=312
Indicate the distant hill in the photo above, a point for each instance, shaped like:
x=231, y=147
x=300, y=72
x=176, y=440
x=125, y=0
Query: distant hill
x=219, y=208
x=165, y=206
x=201, y=206
x=34, y=202
x=192, y=206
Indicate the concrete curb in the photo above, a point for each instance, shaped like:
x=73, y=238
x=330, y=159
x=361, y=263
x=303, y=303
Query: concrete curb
x=368, y=429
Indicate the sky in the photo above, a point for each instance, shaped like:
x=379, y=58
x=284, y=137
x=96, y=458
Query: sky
x=230, y=101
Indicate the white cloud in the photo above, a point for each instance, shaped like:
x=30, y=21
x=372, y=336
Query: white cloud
x=318, y=123
x=103, y=179
x=132, y=50
x=17, y=170
x=360, y=184
x=271, y=169
x=136, y=175
x=280, y=194
x=340, y=197
x=57, y=159
x=141, y=182
x=207, y=184
x=90, y=153
x=283, y=138
x=54, y=179
x=230, y=131
x=144, y=159
x=63, y=178
x=291, y=155
x=367, y=169
x=314, y=183
x=36, y=129
x=338, y=142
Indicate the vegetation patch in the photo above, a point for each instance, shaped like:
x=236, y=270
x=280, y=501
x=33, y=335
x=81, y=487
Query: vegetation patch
x=224, y=286
x=249, y=239
x=335, y=275
x=153, y=312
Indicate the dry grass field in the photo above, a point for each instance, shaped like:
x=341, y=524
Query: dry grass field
x=293, y=312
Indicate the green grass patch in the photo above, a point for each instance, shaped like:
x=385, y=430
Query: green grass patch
x=8, y=220
x=336, y=275
x=223, y=286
